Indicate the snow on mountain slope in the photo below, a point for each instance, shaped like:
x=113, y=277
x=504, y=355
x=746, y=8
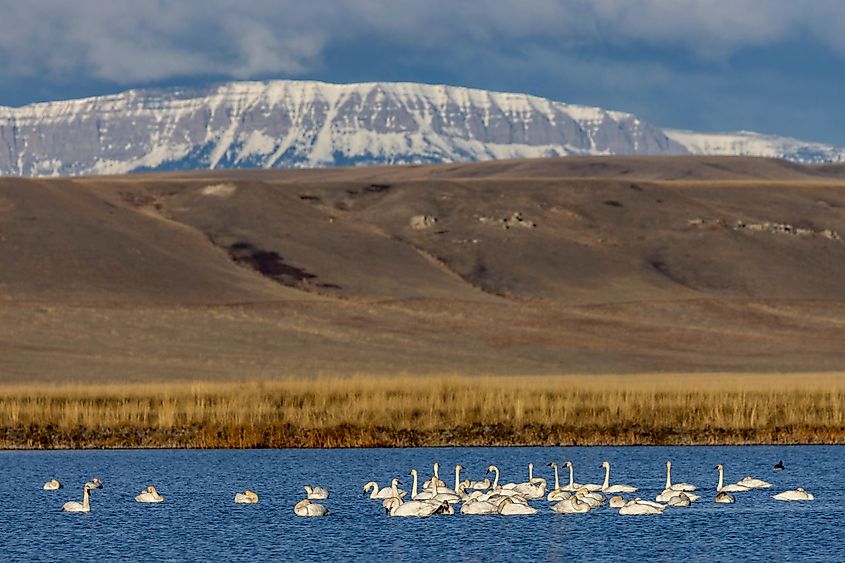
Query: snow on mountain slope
x=747, y=143
x=306, y=124
x=313, y=124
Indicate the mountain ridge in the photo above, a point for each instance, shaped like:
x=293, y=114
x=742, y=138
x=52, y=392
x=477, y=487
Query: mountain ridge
x=295, y=124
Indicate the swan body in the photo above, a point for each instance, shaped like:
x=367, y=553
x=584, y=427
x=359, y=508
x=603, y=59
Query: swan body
x=246, y=497
x=52, y=485
x=572, y=505
x=316, y=492
x=681, y=499
x=84, y=506
x=753, y=483
x=617, y=502
x=415, y=508
x=428, y=484
x=511, y=508
x=608, y=488
x=637, y=507
x=725, y=498
x=479, y=507
x=376, y=493
x=684, y=487
x=667, y=495
x=797, y=494
x=728, y=488
x=307, y=508
x=150, y=494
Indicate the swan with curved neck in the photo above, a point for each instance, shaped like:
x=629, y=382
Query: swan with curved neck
x=308, y=508
x=246, y=497
x=316, y=492
x=685, y=487
x=376, y=493
x=84, y=506
x=150, y=494
x=494, y=469
x=608, y=488
x=721, y=487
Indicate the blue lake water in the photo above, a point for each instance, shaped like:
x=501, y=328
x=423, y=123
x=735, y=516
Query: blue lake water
x=198, y=520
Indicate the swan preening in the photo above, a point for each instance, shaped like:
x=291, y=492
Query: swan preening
x=246, y=497
x=52, y=485
x=307, y=508
x=150, y=494
x=797, y=494
x=316, y=492
x=85, y=505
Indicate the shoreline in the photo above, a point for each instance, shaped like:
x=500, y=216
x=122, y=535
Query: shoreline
x=442, y=411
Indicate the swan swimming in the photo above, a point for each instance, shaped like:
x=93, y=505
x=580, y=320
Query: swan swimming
x=474, y=505
x=725, y=498
x=681, y=499
x=607, y=488
x=396, y=507
x=572, y=486
x=667, y=495
x=797, y=494
x=617, y=502
x=753, y=483
x=316, y=492
x=307, y=508
x=246, y=497
x=572, y=505
x=638, y=507
x=381, y=494
x=727, y=488
x=52, y=485
x=510, y=508
x=84, y=506
x=685, y=487
x=150, y=494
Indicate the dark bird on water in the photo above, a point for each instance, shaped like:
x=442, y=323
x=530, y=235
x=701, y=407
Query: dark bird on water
x=779, y=466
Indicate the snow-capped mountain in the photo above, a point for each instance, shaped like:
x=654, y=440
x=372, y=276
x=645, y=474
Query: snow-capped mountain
x=310, y=124
x=747, y=143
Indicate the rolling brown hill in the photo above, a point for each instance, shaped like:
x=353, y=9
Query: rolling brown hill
x=577, y=265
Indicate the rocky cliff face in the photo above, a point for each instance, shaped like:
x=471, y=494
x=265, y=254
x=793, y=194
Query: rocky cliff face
x=311, y=124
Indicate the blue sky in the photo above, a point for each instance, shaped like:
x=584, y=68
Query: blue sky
x=773, y=66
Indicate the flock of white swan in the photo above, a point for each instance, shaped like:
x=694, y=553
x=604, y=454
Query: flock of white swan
x=491, y=497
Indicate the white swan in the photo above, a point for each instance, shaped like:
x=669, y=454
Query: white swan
x=617, y=502
x=474, y=505
x=607, y=488
x=725, y=498
x=557, y=494
x=681, y=499
x=573, y=486
x=534, y=488
x=316, y=492
x=84, y=506
x=721, y=487
x=753, y=483
x=246, y=497
x=668, y=494
x=593, y=498
x=797, y=494
x=482, y=485
x=308, y=508
x=395, y=507
x=572, y=505
x=52, y=485
x=440, y=482
x=638, y=507
x=150, y=494
x=510, y=508
x=384, y=493
x=685, y=487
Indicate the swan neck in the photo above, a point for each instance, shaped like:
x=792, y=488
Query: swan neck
x=414, y=490
x=496, y=479
x=721, y=479
x=530, y=472
x=457, y=476
x=86, y=501
x=557, y=481
x=571, y=476
x=668, y=476
x=606, y=477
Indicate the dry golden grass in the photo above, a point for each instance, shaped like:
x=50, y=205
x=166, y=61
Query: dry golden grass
x=407, y=411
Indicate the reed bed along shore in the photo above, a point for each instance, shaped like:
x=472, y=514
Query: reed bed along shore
x=366, y=411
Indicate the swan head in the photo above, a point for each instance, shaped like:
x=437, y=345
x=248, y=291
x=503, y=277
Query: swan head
x=460, y=467
x=302, y=504
x=152, y=490
x=492, y=469
x=551, y=464
x=368, y=486
x=567, y=463
x=605, y=465
x=668, y=464
x=436, y=468
x=718, y=468
x=394, y=483
x=800, y=490
x=391, y=504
